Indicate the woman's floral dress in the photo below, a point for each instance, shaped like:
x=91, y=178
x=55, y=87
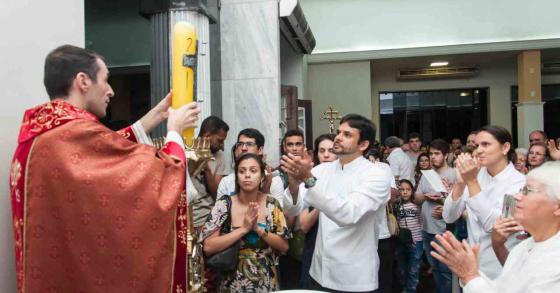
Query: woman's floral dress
x=257, y=267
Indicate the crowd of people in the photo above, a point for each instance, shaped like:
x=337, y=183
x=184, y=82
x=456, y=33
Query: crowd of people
x=356, y=190
x=347, y=214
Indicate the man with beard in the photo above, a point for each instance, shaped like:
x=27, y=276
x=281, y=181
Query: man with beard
x=351, y=194
x=432, y=207
x=206, y=183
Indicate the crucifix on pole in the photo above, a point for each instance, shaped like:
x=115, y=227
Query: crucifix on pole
x=330, y=115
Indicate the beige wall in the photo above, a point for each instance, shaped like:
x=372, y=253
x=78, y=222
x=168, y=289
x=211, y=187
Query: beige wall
x=29, y=30
x=346, y=86
x=343, y=84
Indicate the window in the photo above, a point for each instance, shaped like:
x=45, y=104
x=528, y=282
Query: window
x=434, y=114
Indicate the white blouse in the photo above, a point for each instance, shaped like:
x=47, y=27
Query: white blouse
x=531, y=267
x=483, y=210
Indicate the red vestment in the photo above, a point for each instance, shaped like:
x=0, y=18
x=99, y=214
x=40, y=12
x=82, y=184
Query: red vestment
x=93, y=210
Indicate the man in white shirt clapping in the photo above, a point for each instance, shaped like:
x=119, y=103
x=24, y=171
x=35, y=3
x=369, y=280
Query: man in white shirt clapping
x=351, y=194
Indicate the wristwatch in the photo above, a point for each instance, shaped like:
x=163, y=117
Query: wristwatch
x=310, y=182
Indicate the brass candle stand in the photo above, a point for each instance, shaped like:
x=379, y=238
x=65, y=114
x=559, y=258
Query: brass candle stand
x=198, y=153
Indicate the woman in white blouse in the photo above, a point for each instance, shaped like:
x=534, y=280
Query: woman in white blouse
x=481, y=183
x=532, y=266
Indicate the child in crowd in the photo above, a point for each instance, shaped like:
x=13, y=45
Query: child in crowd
x=410, y=245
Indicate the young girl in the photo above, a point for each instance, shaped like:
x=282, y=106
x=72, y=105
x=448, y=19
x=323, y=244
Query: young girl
x=409, y=254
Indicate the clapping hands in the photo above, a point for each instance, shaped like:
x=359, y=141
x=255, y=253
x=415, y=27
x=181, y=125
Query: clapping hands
x=553, y=150
x=460, y=257
x=298, y=168
x=467, y=168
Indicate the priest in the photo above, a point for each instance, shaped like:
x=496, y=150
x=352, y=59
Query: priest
x=93, y=210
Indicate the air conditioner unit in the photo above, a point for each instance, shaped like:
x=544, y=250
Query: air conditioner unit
x=551, y=68
x=436, y=73
x=295, y=28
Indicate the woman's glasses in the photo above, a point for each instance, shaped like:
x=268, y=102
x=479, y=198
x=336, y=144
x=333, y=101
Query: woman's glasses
x=526, y=190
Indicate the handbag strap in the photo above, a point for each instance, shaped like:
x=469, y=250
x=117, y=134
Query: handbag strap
x=226, y=226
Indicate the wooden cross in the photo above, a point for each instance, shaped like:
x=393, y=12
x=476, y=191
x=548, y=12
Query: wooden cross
x=330, y=115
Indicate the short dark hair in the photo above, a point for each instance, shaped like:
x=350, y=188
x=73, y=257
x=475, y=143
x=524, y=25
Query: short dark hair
x=292, y=132
x=63, y=64
x=244, y=157
x=502, y=135
x=414, y=135
x=318, y=140
x=440, y=145
x=365, y=126
x=407, y=182
x=212, y=125
x=254, y=134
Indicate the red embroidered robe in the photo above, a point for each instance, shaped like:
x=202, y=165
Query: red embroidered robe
x=94, y=211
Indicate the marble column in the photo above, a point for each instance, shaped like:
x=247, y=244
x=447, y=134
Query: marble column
x=530, y=117
x=250, y=53
x=530, y=107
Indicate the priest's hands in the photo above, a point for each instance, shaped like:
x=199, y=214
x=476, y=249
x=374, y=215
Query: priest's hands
x=183, y=118
x=157, y=114
x=460, y=257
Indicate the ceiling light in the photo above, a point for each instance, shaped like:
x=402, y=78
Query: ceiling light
x=439, y=63
x=464, y=94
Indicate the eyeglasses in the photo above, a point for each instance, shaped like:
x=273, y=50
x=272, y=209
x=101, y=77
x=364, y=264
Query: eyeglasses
x=248, y=144
x=526, y=189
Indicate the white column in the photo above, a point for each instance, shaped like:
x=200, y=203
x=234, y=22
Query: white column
x=530, y=117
